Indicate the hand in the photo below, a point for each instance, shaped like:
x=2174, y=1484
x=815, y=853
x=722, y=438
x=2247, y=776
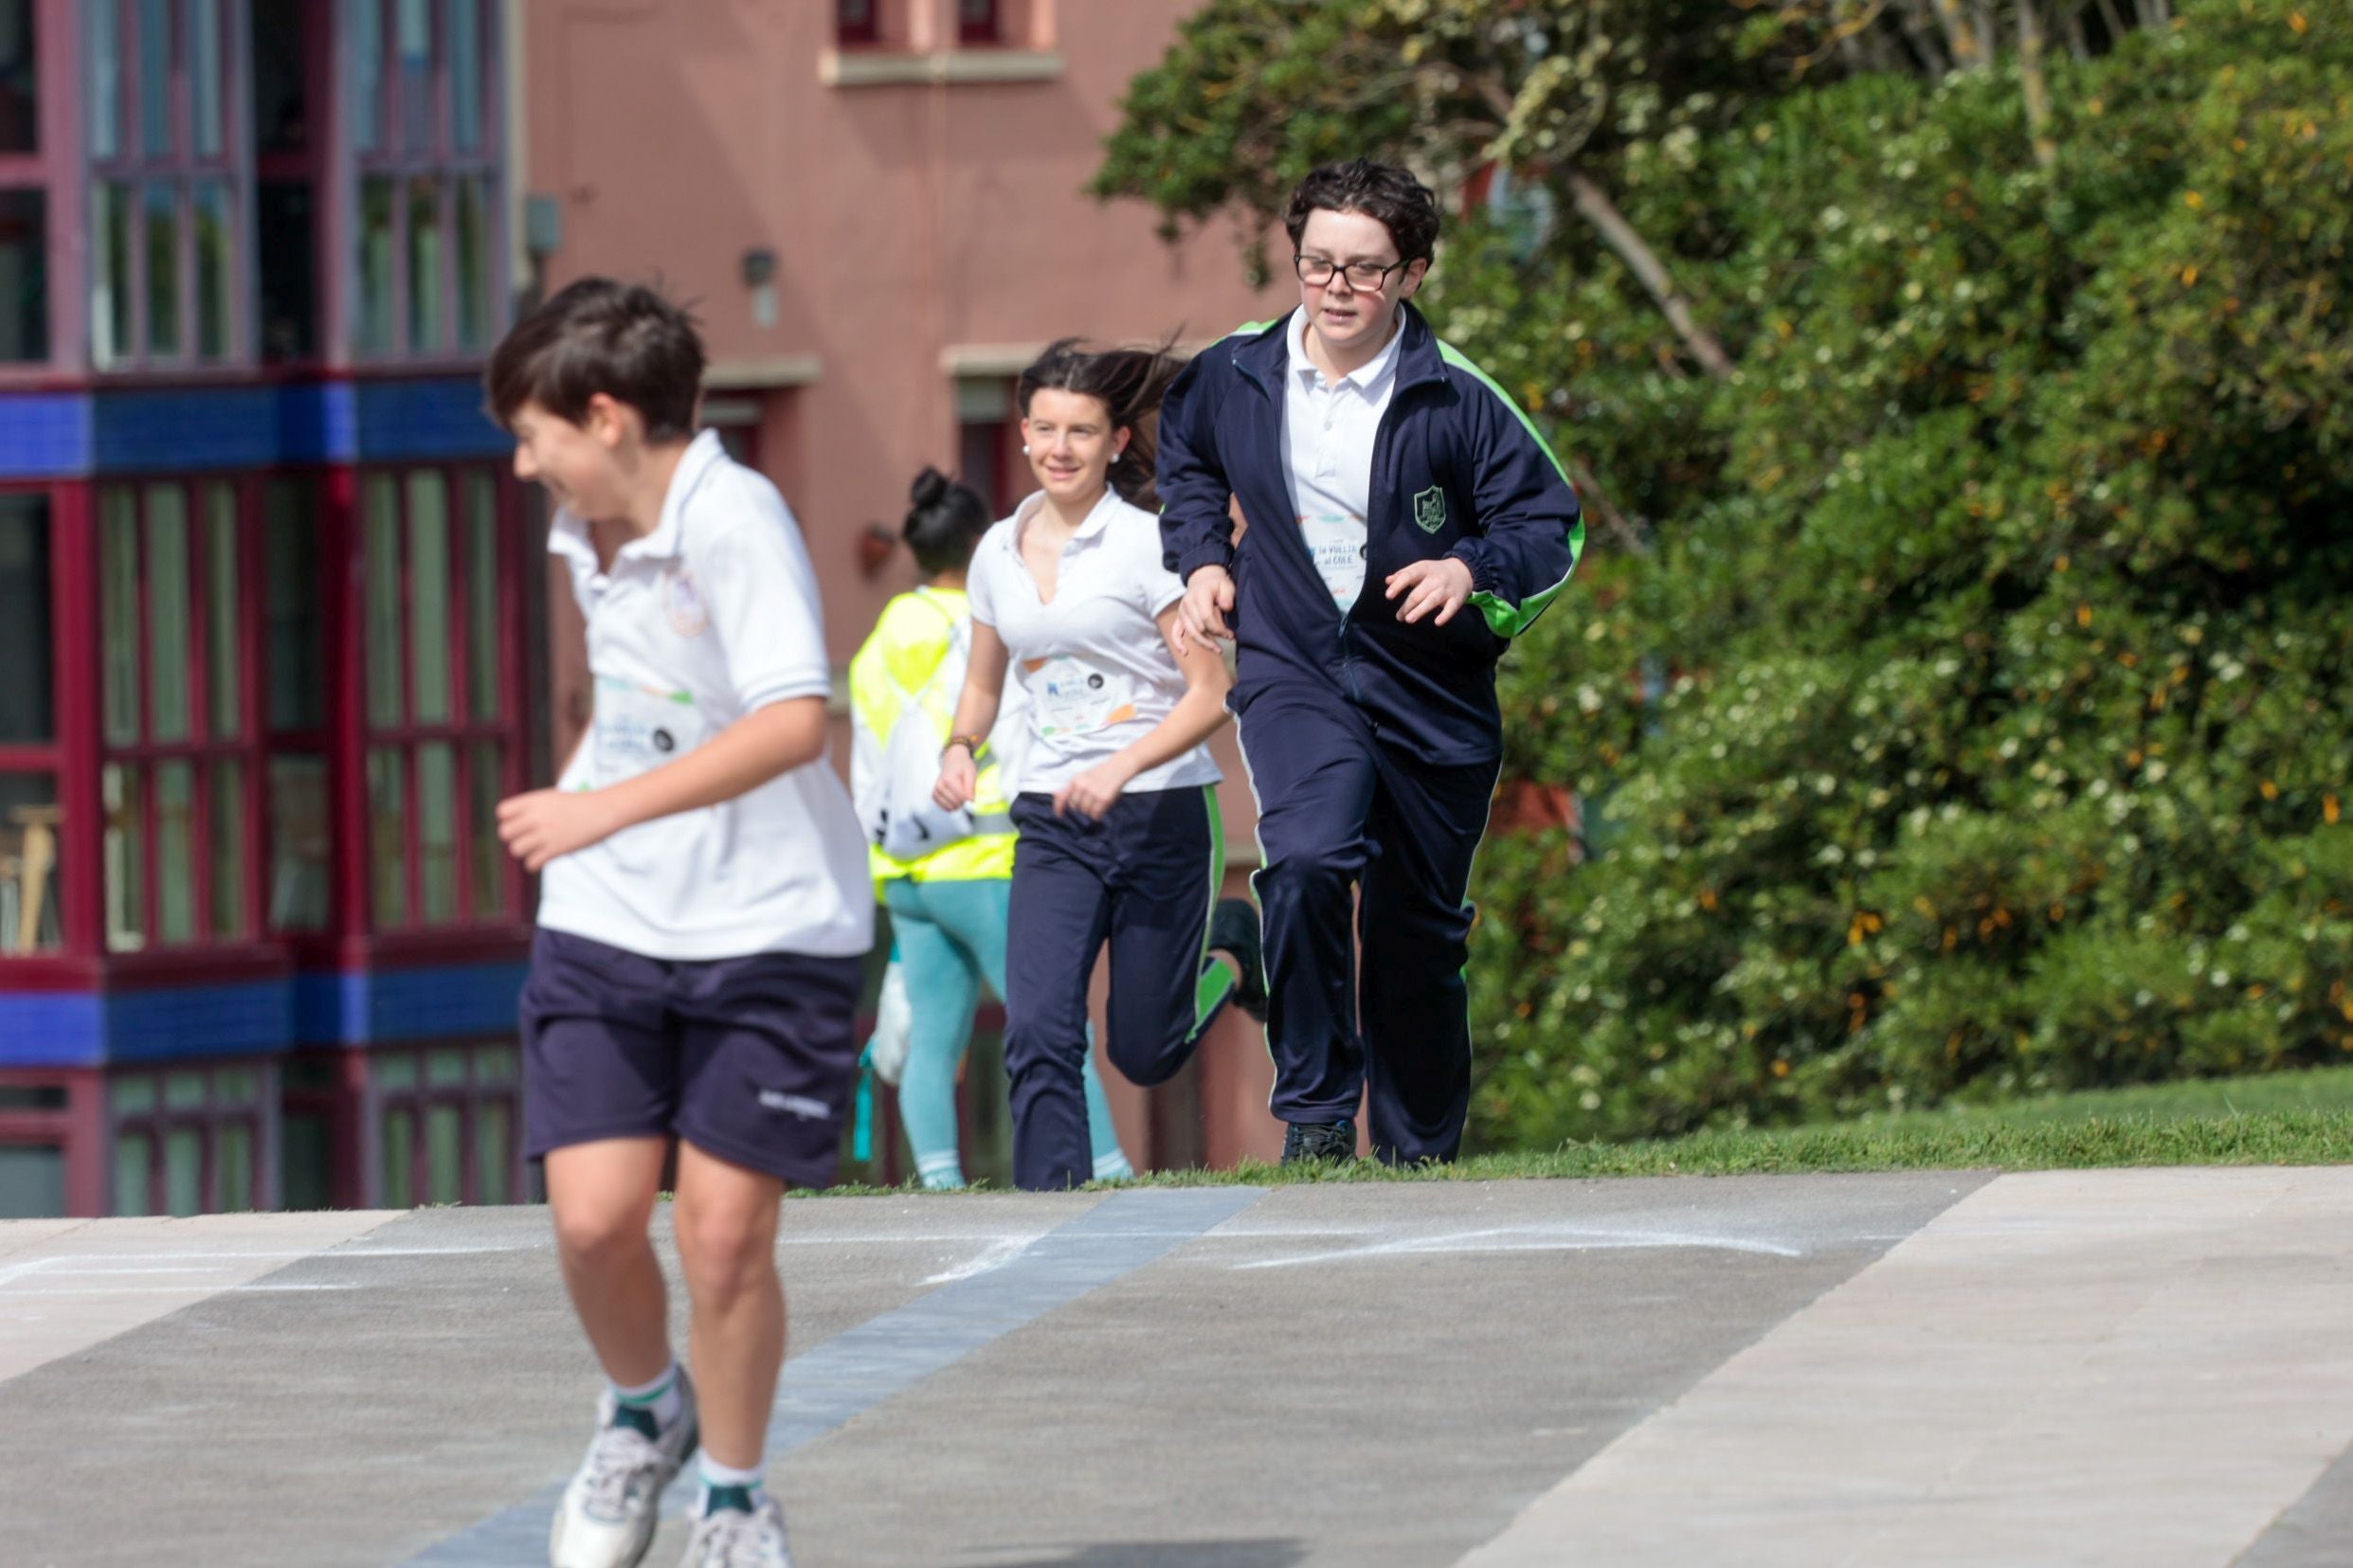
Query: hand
x=1444, y=585
x=1092, y=793
x=548, y=824
x=1200, y=614
x=959, y=777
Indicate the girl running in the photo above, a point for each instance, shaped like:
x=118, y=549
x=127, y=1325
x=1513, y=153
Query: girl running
x=948, y=907
x=1115, y=801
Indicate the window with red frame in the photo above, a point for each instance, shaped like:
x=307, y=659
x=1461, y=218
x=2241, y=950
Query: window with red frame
x=24, y=194
x=30, y=917
x=35, y=1128
x=424, y=127
x=857, y=21
x=168, y=195
x=290, y=40
x=191, y=1139
x=446, y=1118
x=293, y=589
x=977, y=21
x=180, y=736
x=444, y=728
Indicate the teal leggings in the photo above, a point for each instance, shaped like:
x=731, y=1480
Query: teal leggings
x=952, y=937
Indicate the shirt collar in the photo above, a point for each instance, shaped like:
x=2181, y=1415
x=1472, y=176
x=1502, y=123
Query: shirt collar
x=1371, y=379
x=1095, y=523
x=567, y=535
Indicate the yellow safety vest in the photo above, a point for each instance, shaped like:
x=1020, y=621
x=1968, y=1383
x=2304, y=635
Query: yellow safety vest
x=904, y=652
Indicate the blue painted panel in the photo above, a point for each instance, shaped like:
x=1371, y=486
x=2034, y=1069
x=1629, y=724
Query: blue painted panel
x=381, y=1008
x=52, y=1029
x=43, y=435
x=247, y=426
x=405, y=421
x=316, y=423
x=386, y=1006
x=200, y=1020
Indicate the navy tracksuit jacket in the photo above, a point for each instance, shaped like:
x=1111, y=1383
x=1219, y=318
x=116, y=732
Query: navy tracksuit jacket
x=1373, y=746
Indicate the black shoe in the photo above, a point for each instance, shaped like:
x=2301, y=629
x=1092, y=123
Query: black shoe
x=1234, y=929
x=1308, y=1142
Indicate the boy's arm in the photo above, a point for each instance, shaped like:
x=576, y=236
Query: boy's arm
x=1196, y=519
x=761, y=592
x=1535, y=527
x=546, y=823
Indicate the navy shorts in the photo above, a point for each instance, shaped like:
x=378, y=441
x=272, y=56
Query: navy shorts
x=752, y=1059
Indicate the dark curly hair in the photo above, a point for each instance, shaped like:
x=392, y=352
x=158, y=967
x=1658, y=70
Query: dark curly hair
x=596, y=335
x=1403, y=205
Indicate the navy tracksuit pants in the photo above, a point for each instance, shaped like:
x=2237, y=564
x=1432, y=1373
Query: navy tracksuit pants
x=1142, y=878
x=1364, y=846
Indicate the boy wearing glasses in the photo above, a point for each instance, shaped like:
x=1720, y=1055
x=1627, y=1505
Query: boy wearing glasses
x=1407, y=522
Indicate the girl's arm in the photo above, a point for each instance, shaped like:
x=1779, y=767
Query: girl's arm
x=1198, y=715
x=977, y=715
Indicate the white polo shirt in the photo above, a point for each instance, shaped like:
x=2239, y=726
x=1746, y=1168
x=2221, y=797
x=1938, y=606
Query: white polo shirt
x=1328, y=435
x=1093, y=663
x=711, y=615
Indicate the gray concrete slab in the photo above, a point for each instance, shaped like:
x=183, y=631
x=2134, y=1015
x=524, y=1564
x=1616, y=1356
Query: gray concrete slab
x=2316, y=1531
x=1359, y=1376
x=2066, y=1368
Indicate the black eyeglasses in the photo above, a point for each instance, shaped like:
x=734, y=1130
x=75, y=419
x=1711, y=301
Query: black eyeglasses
x=1365, y=277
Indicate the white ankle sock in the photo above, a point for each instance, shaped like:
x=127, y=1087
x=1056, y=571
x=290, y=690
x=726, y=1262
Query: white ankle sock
x=660, y=1398
x=716, y=1474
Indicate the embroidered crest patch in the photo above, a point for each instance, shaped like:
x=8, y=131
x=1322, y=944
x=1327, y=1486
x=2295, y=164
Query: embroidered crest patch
x=1430, y=510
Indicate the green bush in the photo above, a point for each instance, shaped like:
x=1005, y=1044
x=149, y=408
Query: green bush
x=1975, y=721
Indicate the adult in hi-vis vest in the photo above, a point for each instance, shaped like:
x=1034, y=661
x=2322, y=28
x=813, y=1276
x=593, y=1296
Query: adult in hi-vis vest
x=1120, y=838
x=1406, y=523
x=946, y=876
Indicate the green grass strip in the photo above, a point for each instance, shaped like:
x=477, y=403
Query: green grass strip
x=2302, y=1118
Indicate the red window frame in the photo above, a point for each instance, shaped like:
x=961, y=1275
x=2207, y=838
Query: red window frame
x=208, y=1119
x=307, y=169
x=205, y=749
x=401, y=737
x=73, y=1123
x=179, y=172
x=49, y=170
x=51, y=758
x=385, y=159
x=857, y=21
x=417, y=1096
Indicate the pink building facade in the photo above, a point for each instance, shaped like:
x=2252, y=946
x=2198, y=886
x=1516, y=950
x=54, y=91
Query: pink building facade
x=876, y=208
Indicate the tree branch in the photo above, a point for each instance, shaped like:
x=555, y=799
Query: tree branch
x=1593, y=205
x=1919, y=32
x=2035, y=83
x=1969, y=54
x=1595, y=500
x=2078, y=42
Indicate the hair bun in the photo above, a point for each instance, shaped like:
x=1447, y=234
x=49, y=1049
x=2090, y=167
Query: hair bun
x=929, y=488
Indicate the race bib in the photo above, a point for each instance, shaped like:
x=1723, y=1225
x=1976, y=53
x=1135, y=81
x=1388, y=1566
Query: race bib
x=1075, y=698
x=637, y=728
x=1338, y=544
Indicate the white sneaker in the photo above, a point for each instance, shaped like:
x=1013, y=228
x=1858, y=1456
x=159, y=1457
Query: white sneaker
x=894, y=1027
x=730, y=1537
x=610, y=1510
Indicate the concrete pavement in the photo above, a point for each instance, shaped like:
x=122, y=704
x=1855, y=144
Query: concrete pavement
x=2110, y=1367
